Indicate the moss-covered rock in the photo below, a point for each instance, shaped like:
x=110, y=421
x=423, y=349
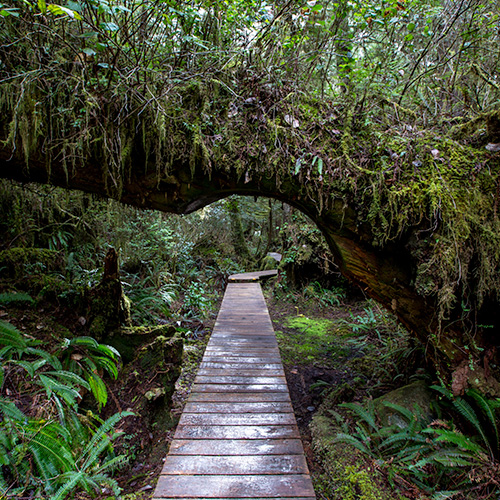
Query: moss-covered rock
x=409, y=396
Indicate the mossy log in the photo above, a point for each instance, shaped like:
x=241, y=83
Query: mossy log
x=419, y=236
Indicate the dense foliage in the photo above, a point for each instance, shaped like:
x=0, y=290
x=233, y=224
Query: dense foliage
x=391, y=107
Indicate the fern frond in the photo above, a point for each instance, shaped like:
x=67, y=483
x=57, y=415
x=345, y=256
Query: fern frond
x=348, y=439
x=70, y=480
x=100, y=440
x=9, y=298
x=488, y=408
x=9, y=410
x=113, y=464
x=366, y=415
x=10, y=336
x=458, y=439
x=107, y=364
x=466, y=410
x=98, y=389
x=400, y=409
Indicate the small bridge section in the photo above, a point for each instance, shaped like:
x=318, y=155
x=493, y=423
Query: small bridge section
x=237, y=437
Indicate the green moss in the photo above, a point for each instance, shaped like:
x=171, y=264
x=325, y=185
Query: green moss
x=348, y=474
x=313, y=341
x=17, y=262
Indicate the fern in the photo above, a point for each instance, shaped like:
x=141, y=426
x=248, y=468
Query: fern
x=11, y=337
x=488, y=408
x=367, y=416
x=15, y=298
x=348, y=439
x=100, y=440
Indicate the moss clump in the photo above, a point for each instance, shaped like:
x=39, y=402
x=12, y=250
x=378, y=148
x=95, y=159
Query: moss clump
x=128, y=339
x=17, y=262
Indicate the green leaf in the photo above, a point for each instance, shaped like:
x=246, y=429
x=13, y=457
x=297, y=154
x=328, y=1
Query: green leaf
x=109, y=26
x=317, y=8
x=9, y=12
x=411, y=27
x=42, y=5
x=98, y=389
x=298, y=164
x=59, y=10
x=320, y=166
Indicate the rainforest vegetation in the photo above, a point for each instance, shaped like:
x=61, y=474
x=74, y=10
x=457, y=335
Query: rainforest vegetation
x=366, y=134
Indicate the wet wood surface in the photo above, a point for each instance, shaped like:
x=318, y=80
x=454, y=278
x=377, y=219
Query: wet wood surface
x=237, y=436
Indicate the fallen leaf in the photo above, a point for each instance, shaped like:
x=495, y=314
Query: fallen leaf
x=494, y=148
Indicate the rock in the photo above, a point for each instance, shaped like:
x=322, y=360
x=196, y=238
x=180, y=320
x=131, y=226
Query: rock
x=412, y=395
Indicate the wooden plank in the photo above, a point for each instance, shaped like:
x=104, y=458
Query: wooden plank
x=238, y=397
x=237, y=419
x=230, y=447
x=240, y=359
x=228, y=349
x=231, y=408
x=235, y=465
x=240, y=365
x=240, y=388
x=244, y=353
x=221, y=486
x=281, y=498
x=248, y=372
x=236, y=432
x=214, y=379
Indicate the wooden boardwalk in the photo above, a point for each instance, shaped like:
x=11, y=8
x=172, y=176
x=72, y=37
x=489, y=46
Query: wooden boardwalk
x=237, y=437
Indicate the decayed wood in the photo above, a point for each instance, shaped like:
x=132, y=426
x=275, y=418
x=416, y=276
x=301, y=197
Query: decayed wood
x=237, y=437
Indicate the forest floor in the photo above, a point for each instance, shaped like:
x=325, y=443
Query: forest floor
x=317, y=349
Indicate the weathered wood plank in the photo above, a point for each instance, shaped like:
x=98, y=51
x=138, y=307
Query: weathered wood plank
x=230, y=447
x=214, y=379
x=239, y=365
x=237, y=419
x=240, y=387
x=290, y=485
x=235, y=465
x=248, y=372
x=236, y=432
x=239, y=397
x=231, y=408
x=210, y=358
x=281, y=498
